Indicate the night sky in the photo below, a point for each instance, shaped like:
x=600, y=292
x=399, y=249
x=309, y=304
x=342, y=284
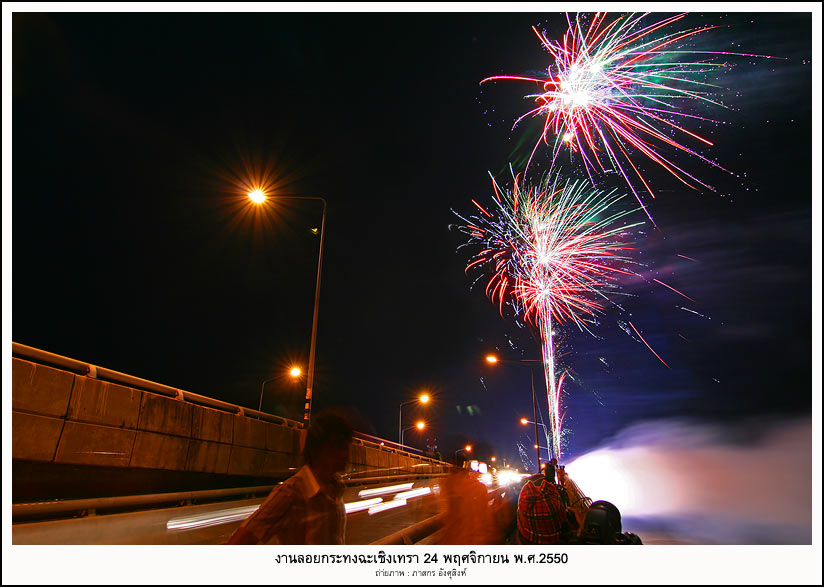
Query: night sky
x=135, y=248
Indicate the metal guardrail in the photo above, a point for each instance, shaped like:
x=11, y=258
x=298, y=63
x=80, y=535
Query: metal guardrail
x=350, y=481
x=415, y=533
x=578, y=501
x=54, y=508
x=91, y=506
x=96, y=372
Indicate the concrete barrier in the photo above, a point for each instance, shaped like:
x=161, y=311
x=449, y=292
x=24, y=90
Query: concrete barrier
x=97, y=402
x=39, y=389
x=208, y=457
x=212, y=425
x=34, y=437
x=247, y=461
x=90, y=444
x=159, y=451
x=165, y=415
x=249, y=433
x=71, y=418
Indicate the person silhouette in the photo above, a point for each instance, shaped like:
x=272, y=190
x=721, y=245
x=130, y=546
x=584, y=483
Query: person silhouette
x=306, y=508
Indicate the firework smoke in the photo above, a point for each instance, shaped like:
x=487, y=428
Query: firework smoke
x=746, y=483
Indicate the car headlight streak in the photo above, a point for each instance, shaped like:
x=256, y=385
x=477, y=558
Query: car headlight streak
x=375, y=505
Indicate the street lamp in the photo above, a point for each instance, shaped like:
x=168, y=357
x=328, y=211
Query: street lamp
x=423, y=398
x=492, y=360
x=258, y=197
x=420, y=426
x=524, y=421
x=467, y=448
x=294, y=373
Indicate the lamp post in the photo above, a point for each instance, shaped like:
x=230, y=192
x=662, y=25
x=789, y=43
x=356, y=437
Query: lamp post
x=258, y=197
x=423, y=398
x=492, y=360
x=294, y=372
x=524, y=421
x=467, y=448
x=420, y=426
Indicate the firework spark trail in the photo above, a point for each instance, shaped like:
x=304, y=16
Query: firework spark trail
x=693, y=312
x=619, y=87
x=554, y=252
x=525, y=460
x=649, y=347
x=673, y=289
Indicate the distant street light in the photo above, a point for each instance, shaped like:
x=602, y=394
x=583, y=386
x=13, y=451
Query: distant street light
x=423, y=398
x=420, y=426
x=258, y=197
x=467, y=448
x=492, y=359
x=294, y=372
x=524, y=421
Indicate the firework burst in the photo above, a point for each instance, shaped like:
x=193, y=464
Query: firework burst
x=554, y=252
x=619, y=87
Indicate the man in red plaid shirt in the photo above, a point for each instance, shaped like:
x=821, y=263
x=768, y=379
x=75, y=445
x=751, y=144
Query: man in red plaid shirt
x=542, y=515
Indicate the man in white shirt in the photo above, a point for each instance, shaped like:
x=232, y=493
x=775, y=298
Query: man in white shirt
x=306, y=508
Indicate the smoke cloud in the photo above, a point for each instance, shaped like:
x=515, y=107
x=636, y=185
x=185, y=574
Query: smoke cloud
x=677, y=481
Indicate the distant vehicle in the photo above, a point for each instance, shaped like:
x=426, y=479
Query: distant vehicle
x=494, y=476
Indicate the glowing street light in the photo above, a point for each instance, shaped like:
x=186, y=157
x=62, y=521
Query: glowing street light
x=258, y=197
x=423, y=398
x=492, y=359
x=524, y=421
x=294, y=373
x=420, y=426
x=467, y=448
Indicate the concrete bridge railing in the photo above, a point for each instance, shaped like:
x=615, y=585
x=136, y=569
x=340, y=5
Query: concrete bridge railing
x=72, y=413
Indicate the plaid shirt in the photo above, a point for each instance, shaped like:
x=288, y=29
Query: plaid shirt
x=541, y=514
